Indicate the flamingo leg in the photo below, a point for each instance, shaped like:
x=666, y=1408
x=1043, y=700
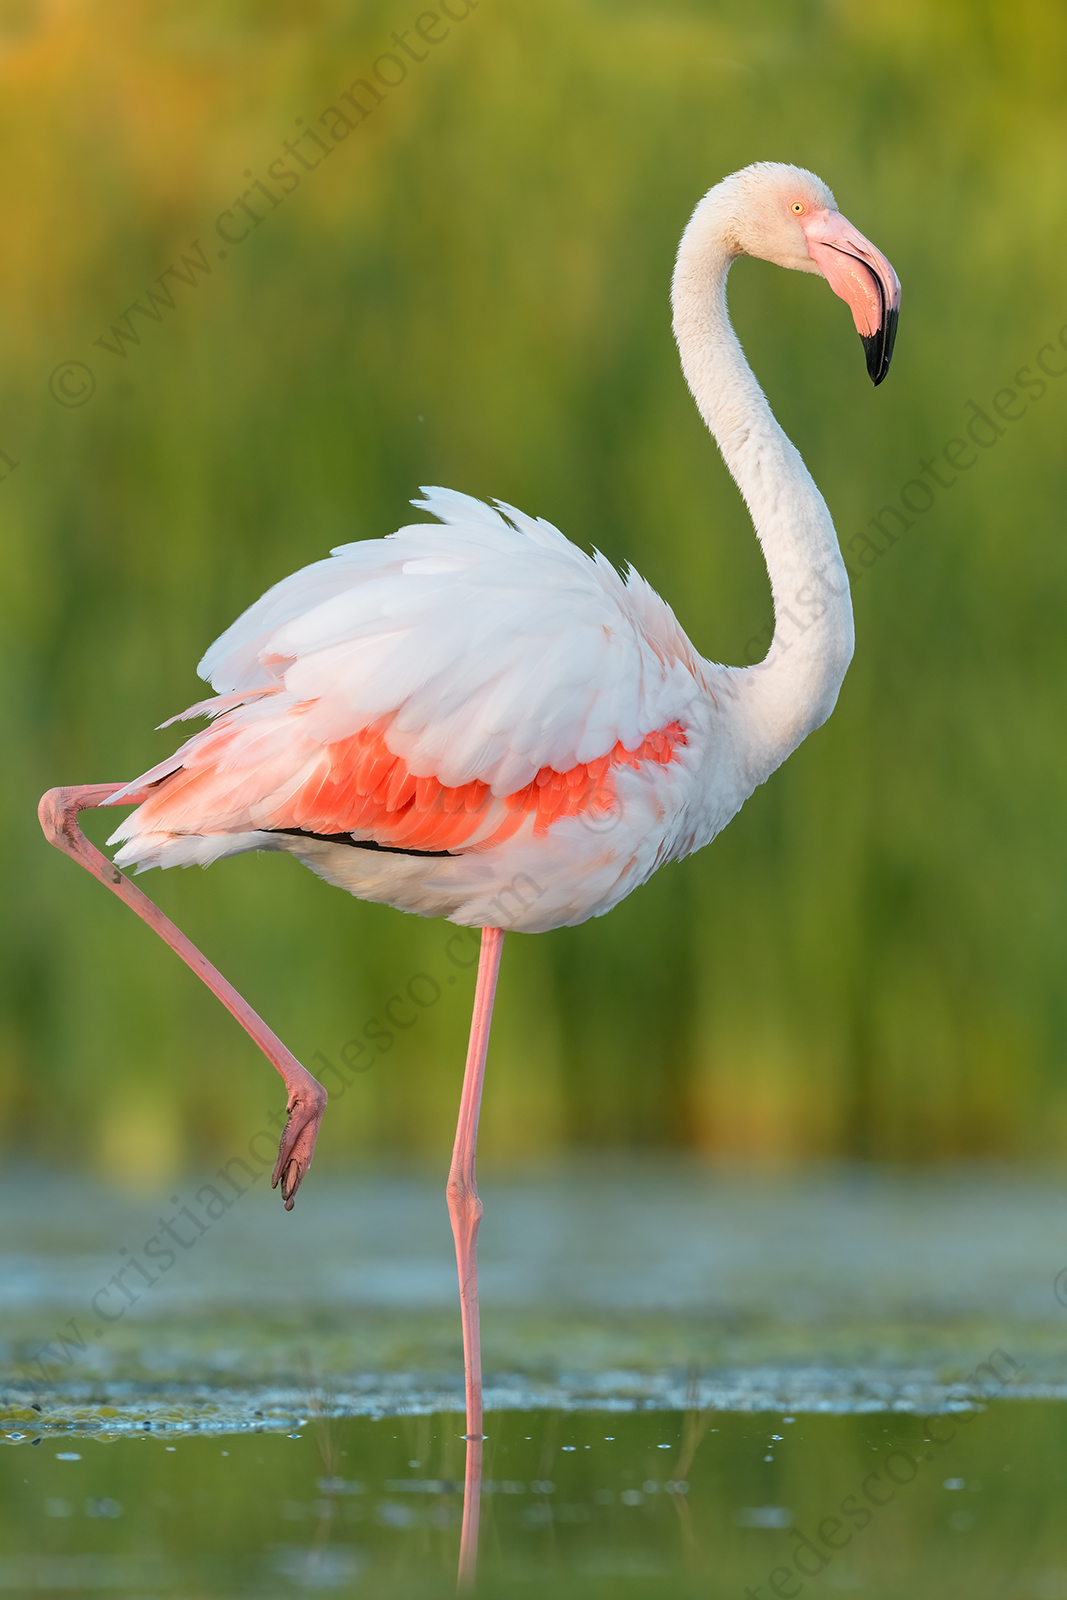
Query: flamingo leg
x=58, y=812
x=465, y=1211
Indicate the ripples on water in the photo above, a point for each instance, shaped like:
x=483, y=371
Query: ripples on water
x=594, y=1503
x=701, y=1385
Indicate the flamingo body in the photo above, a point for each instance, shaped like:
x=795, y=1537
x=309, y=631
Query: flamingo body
x=474, y=720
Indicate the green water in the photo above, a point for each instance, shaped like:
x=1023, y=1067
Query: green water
x=658, y=1504
x=283, y=1410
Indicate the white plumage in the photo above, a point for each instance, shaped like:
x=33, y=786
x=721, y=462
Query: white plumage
x=497, y=649
x=429, y=718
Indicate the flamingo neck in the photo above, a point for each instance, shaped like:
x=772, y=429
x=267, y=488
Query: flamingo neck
x=795, y=687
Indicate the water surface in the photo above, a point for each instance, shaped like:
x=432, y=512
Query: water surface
x=698, y=1382
x=590, y=1504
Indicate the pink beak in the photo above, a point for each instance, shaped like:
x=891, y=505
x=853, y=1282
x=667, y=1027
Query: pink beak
x=860, y=274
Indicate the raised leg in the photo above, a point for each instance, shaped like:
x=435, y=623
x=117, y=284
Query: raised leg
x=465, y=1210
x=58, y=812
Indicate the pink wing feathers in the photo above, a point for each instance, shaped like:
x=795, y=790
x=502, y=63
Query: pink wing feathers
x=428, y=691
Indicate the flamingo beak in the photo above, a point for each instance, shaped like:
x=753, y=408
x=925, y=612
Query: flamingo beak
x=862, y=276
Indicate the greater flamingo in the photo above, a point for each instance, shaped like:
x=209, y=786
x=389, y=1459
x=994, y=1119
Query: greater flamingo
x=481, y=722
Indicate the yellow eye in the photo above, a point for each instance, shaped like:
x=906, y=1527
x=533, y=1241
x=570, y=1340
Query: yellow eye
x=797, y=207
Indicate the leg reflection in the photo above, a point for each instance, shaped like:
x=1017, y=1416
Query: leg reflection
x=472, y=1504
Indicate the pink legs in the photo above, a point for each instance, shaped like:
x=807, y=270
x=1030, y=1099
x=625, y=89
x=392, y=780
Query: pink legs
x=58, y=812
x=465, y=1210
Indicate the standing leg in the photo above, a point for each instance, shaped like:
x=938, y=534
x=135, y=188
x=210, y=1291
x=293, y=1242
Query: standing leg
x=465, y=1210
x=58, y=812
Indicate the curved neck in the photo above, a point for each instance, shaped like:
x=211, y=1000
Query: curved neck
x=795, y=687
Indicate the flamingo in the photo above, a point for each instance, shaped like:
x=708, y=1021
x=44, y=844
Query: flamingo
x=474, y=719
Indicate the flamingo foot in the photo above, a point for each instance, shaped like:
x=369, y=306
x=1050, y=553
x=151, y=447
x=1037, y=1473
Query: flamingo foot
x=297, y=1146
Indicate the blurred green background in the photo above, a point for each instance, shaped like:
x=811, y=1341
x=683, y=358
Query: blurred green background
x=870, y=961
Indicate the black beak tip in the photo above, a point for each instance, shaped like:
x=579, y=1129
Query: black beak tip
x=878, y=347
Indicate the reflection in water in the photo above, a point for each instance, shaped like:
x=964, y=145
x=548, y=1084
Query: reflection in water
x=695, y=1425
x=472, y=1510
x=320, y=1565
x=685, y=1502
x=191, y=1450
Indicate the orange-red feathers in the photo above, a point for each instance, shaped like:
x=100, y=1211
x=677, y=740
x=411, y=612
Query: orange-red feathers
x=359, y=786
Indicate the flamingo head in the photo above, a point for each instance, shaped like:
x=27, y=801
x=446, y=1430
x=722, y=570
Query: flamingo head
x=787, y=215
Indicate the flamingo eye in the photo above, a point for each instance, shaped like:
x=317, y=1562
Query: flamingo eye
x=797, y=207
